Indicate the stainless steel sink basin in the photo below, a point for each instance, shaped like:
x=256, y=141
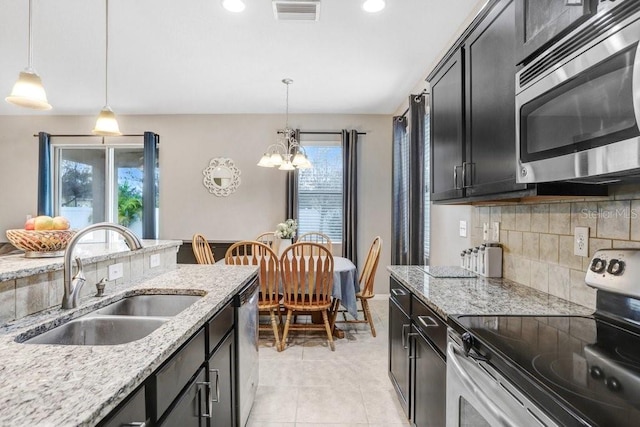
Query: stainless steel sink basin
x=123, y=321
x=149, y=305
x=99, y=330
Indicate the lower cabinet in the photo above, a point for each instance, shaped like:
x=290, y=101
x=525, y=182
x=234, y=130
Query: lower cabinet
x=191, y=408
x=193, y=387
x=399, y=324
x=428, y=398
x=417, y=364
x=220, y=369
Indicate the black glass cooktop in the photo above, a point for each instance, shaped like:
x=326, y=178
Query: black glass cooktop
x=586, y=367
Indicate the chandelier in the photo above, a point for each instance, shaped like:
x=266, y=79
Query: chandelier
x=286, y=154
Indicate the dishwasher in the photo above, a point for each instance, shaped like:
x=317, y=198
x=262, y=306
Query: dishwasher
x=246, y=303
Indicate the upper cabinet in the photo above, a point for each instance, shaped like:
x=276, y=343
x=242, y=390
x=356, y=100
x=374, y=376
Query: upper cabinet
x=541, y=21
x=472, y=113
x=447, y=130
x=490, y=70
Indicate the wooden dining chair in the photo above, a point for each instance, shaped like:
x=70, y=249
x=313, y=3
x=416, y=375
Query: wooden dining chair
x=256, y=253
x=317, y=237
x=267, y=238
x=307, y=277
x=202, y=250
x=366, y=280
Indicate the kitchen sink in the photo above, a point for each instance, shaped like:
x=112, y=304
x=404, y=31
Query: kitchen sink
x=99, y=330
x=149, y=305
x=123, y=321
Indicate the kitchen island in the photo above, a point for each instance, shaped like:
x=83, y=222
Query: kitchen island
x=55, y=385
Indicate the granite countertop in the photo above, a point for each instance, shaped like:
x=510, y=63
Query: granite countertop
x=17, y=266
x=474, y=296
x=48, y=385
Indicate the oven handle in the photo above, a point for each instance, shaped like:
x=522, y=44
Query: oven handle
x=472, y=386
x=635, y=85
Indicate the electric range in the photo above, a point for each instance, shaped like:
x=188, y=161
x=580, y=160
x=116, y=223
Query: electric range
x=554, y=370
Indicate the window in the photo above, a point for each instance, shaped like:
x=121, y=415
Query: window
x=320, y=189
x=99, y=183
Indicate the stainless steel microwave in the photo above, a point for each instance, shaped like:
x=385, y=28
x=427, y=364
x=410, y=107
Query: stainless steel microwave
x=578, y=104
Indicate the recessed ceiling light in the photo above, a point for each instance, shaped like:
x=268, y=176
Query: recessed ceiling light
x=373, y=6
x=233, y=5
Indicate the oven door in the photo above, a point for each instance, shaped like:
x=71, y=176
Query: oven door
x=479, y=396
x=580, y=120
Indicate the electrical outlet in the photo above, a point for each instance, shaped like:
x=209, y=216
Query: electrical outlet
x=485, y=231
x=114, y=271
x=463, y=228
x=581, y=241
x=154, y=261
x=496, y=232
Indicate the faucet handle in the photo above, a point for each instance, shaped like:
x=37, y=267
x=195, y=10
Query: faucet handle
x=79, y=274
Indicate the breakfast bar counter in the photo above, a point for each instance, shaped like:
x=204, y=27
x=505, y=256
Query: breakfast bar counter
x=78, y=385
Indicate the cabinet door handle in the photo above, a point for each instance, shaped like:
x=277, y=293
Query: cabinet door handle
x=206, y=384
x=464, y=174
x=398, y=291
x=432, y=322
x=455, y=177
x=217, y=372
x=404, y=336
x=415, y=347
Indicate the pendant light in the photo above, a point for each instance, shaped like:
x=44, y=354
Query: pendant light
x=286, y=154
x=28, y=90
x=106, y=124
x=373, y=6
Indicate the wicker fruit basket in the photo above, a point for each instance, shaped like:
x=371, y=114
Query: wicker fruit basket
x=40, y=243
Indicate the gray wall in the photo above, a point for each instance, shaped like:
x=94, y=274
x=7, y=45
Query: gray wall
x=187, y=144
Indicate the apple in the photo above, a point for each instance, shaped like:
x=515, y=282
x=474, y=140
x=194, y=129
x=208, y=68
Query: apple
x=43, y=222
x=60, y=223
x=30, y=224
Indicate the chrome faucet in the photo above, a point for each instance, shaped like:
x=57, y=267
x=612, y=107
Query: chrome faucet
x=72, y=285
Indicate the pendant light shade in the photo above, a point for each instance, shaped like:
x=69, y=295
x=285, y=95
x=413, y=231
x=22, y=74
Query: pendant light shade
x=106, y=124
x=28, y=91
x=373, y=6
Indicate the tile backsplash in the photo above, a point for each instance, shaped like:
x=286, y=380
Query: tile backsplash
x=538, y=238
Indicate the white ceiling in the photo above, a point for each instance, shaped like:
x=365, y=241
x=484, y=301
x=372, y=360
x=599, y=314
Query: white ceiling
x=194, y=57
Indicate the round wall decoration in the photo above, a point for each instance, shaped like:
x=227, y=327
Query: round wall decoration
x=221, y=177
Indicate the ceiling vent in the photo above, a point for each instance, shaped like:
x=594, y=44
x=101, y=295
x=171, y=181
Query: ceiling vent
x=296, y=10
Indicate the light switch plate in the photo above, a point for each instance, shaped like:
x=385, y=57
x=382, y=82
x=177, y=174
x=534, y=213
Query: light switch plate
x=114, y=271
x=496, y=232
x=463, y=228
x=581, y=241
x=154, y=261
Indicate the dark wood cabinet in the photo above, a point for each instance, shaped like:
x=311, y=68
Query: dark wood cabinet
x=428, y=395
x=190, y=408
x=399, y=324
x=130, y=413
x=220, y=369
x=447, y=129
x=490, y=148
x=540, y=22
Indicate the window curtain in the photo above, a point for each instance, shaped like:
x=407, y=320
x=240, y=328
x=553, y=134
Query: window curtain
x=291, y=208
x=350, y=195
x=416, y=179
x=399, y=214
x=45, y=190
x=150, y=186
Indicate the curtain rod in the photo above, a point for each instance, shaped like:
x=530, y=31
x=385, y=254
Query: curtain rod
x=326, y=133
x=91, y=135
x=424, y=92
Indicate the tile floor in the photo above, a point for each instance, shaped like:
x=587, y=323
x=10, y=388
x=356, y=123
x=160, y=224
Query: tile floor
x=309, y=385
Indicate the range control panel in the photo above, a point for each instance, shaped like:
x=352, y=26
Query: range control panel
x=615, y=270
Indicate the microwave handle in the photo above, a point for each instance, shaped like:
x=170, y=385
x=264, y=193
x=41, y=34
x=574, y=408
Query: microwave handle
x=635, y=85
